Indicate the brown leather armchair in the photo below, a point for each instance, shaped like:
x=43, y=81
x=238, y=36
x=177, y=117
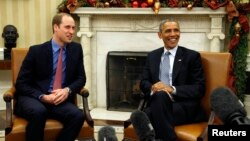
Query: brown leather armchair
x=15, y=126
x=217, y=67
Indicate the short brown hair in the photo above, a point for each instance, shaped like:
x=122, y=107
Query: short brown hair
x=57, y=19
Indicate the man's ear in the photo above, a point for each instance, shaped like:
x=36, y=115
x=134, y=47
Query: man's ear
x=17, y=35
x=55, y=27
x=3, y=35
x=159, y=35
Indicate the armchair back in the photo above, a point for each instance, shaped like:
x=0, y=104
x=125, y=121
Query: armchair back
x=217, y=68
x=17, y=57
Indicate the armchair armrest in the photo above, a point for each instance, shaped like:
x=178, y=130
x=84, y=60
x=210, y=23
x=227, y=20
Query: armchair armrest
x=85, y=93
x=8, y=96
x=203, y=135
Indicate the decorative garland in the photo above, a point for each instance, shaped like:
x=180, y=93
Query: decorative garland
x=71, y=5
x=237, y=14
x=238, y=46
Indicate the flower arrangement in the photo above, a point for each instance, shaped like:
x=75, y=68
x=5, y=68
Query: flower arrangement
x=238, y=15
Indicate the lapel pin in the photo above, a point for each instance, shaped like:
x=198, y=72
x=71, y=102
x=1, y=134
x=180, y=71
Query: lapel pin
x=179, y=60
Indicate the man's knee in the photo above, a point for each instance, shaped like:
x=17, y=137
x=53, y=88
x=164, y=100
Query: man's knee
x=39, y=112
x=161, y=98
x=161, y=95
x=78, y=115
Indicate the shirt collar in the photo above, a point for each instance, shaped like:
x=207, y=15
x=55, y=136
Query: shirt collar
x=56, y=47
x=172, y=51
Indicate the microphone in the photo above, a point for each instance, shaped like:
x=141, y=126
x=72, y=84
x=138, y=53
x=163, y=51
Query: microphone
x=142, y=126
x=228, y=107
x=107, y=133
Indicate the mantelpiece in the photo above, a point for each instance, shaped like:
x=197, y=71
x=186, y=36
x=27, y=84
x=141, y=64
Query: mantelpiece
x=135, y=29
x=148, y=11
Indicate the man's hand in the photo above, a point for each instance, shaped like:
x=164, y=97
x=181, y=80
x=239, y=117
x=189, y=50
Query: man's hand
x=60, y=95
x=48, y=98
x=160, y=86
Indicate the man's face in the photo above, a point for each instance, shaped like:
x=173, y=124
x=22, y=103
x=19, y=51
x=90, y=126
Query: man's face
x=65, y=31
x=10, y=35
x=170, y=34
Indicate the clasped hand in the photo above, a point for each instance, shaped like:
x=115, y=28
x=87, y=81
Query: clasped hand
x=160, y=86
x=56, y=97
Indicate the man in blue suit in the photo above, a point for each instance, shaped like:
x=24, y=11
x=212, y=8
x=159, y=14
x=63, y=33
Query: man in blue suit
x=37, y=97
x=176, y=100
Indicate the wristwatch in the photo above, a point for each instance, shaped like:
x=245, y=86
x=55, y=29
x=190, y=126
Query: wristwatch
x=69, y=90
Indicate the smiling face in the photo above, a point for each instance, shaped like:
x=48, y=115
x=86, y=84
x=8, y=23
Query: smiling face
x=170, y=34
x=64, y=31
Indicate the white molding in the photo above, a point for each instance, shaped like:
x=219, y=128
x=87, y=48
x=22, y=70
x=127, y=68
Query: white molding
x=148, y=11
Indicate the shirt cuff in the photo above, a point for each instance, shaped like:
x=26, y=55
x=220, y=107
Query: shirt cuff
x=174, y=91
x=40, y=96
x=151, y=93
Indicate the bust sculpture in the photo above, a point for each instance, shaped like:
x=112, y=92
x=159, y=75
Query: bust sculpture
x=10, y=36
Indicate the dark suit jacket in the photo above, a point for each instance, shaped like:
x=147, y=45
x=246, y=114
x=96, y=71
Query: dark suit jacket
x=188, y=77
x=36, y=71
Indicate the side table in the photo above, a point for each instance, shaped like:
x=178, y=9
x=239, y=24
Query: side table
x=5, y=64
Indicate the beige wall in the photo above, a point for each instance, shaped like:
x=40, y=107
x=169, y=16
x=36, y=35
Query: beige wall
x=31, y=17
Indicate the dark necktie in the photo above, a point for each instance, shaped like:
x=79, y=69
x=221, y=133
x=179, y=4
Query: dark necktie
x=58, y=76
x=165, y=66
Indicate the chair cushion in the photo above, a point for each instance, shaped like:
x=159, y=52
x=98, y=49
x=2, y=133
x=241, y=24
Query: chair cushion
x=52, y=129
x=187, y=132
x=130, y=134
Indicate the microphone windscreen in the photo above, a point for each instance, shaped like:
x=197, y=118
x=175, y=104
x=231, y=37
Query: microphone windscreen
x=225, y=103
x=107, y=133
x=142, y=125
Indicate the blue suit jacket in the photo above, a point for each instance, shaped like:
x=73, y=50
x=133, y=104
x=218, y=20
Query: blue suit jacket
x=36, y=71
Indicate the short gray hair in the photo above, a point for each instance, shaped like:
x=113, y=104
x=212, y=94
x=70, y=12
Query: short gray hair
x=165, y=21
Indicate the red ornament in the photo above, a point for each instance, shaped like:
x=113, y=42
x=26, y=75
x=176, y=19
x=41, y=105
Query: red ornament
x=144, y=5
x=92, y=2
x=135, y=4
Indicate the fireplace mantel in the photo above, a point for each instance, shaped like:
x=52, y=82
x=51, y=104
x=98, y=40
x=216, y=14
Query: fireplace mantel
x=148, y=11
x=135, y=29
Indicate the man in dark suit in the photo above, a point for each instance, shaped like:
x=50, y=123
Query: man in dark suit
x=37, y=96
x=176, y=100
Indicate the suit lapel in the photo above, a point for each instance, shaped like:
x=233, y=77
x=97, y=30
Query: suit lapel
x=68, y=58
x=156, y=64
x=49, y=57
x=177, y=63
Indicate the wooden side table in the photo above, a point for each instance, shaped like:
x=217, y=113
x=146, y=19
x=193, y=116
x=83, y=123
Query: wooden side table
x=5, y=64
